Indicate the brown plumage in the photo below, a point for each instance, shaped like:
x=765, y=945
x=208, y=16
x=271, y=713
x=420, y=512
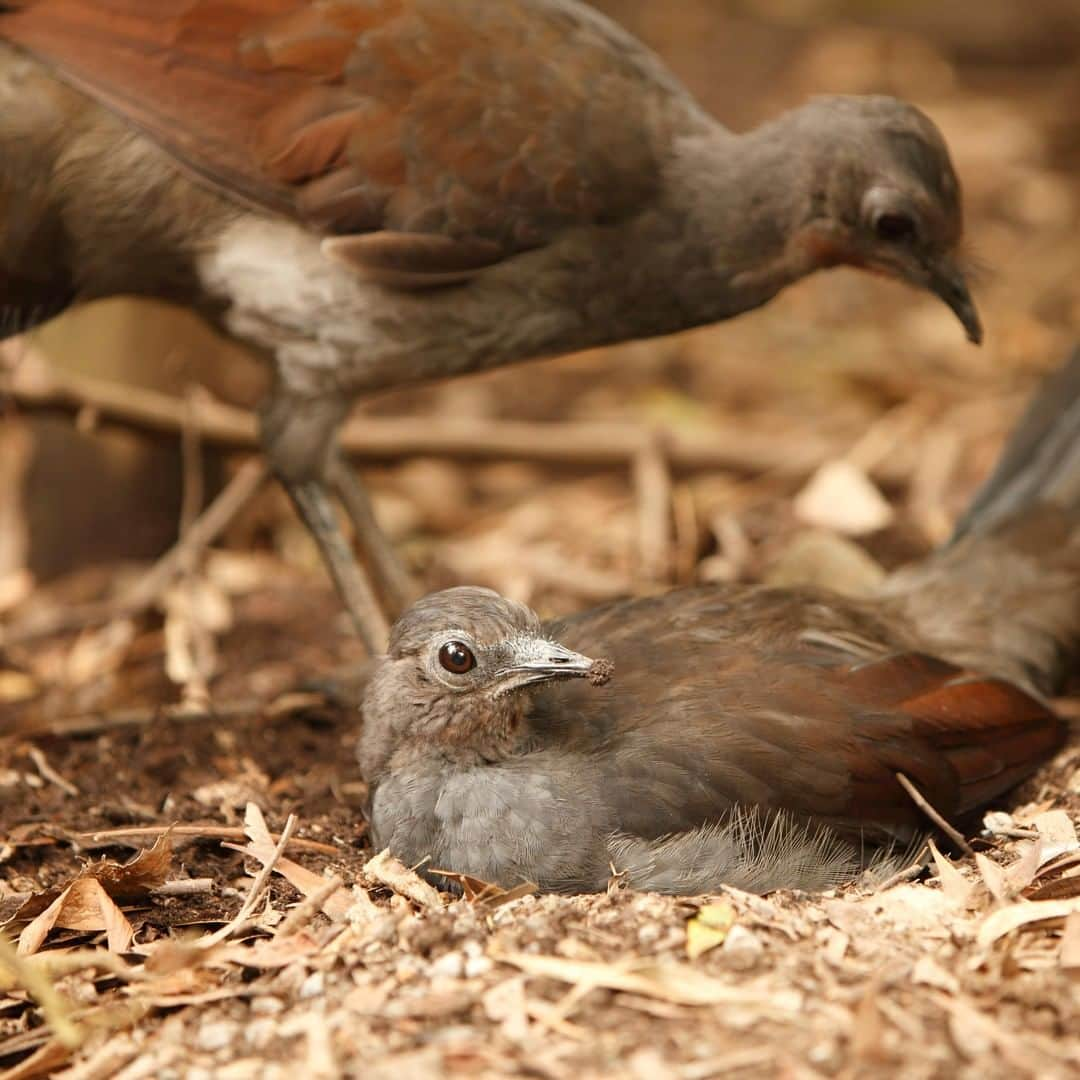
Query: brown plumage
x=729, y=705
x=383, y=191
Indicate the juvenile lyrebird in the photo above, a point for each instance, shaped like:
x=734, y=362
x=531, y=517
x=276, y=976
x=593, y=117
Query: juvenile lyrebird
x=747, y=735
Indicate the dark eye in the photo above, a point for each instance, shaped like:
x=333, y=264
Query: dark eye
x=895, y=228
x=456, y=658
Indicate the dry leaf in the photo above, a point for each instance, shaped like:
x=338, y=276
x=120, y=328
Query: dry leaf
x=1022, y=872
x=16, y=686
x=83, y=905
x=953, y=883
x=1006, y=920
x=841, y=497
x=1069, y=953
x=679, y=984
x=1057, y=832
x=486, y=894
x=388, y=871
x=820, y=558
x=995, y=878
x=148, y=870
x=55, y=907
x=709, y=928
x=261, y=847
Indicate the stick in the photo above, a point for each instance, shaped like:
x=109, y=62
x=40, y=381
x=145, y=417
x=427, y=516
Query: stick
x=254, y=893
x=602, y=444
x=92, y=723
x=920, y=801
x=652, y=484
x=49, y=773
x=203, y=832
x=239, y=491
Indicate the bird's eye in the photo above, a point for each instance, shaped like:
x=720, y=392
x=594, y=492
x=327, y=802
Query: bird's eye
x=895, y=228
x=457, y=658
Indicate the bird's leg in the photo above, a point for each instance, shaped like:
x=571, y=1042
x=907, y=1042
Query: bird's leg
x=312, y=500
x=298, y=436
x=397, y=587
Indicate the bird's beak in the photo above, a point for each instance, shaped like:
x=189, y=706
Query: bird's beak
x=940, y=275
x=944, y=279
x=535, y=660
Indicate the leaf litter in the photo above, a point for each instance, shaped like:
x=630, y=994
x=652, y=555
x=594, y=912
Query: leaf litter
x=314, y=952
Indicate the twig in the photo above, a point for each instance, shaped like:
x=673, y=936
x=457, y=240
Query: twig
x=49, y=773
x=204, y=832
x=199, y=886
x=258, y=885
x=652, y=486
x=92, y=723
x=908, y=873
x=601, y=444
x=300, y=915
x=920, y=801
x=240, y=490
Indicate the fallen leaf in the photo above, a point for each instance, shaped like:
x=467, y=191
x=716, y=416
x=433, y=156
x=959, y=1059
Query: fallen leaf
x=16, y=685
x=679, y=984
x=1022, y=872
x=708, y=928
x=953, y=883
x=997, y=883
x=486, y=894
x=148, y=870
x=841, y=497
x=83, y=905
x=1057, y=832
x=388, y=871
x=261, y=847
x=125, y=881
x=821, y=558
x=1069, y=953
x=1006, y=920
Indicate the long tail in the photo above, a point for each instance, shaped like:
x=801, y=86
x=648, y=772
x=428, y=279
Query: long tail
x=1041, y=462
x=1003, y=596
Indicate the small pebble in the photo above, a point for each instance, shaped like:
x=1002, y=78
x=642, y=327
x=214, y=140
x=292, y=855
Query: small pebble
x=217, y=1036
x=451, y=964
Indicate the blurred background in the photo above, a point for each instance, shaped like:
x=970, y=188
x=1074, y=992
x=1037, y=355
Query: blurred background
x=830, y=435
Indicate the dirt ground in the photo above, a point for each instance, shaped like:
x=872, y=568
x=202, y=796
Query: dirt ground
x=197, y=733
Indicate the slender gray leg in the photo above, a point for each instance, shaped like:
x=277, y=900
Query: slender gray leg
x=298, y=435
x=317, y=511
x=395, y=584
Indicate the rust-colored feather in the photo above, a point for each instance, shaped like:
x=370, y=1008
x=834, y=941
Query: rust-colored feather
x=499, y=123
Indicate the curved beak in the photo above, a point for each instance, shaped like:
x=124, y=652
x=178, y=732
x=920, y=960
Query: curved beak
x=944, y=279
x=534, y=660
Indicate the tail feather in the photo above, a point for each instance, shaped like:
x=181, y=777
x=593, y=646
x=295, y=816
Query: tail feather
x=1041, y=463
x=1003, y=596
x=754, y=850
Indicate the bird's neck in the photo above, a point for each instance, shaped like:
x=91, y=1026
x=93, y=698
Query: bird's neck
x=742, y=204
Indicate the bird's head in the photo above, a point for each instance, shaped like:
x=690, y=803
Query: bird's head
x=886, y=198
x=457, y=674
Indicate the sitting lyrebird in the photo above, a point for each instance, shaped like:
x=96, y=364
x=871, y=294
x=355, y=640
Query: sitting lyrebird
x=747, y=734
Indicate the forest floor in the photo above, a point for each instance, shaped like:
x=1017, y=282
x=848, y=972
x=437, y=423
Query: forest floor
x=189, y=736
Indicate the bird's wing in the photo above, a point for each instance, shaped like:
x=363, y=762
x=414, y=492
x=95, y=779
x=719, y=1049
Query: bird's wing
x=792, y=701
x=477, y=128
